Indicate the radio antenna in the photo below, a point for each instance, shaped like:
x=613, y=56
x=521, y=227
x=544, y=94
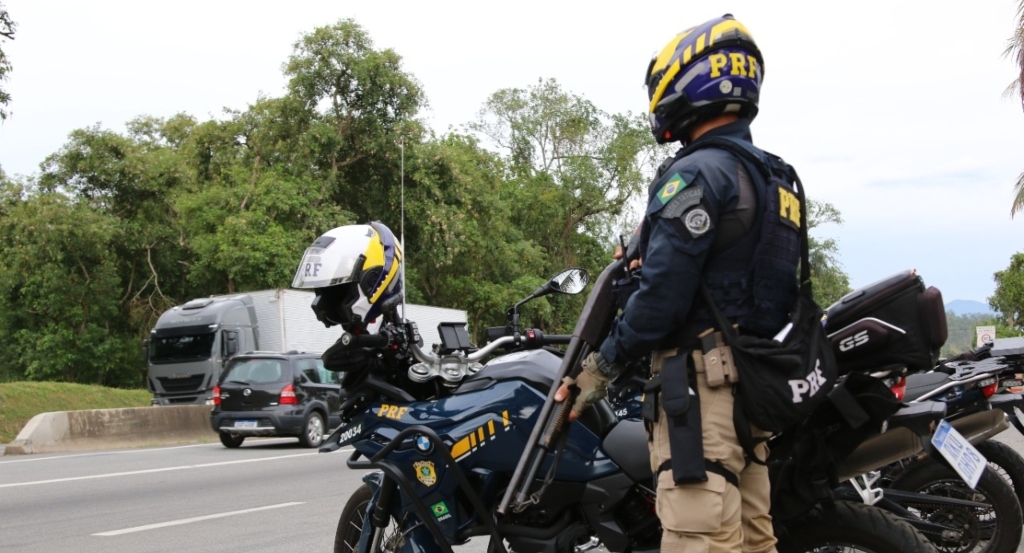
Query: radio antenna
x=401, y=148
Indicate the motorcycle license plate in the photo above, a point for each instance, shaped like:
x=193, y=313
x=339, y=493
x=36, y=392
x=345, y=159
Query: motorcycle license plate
x=246, y=424
x=1012, y=383
x=963, y=456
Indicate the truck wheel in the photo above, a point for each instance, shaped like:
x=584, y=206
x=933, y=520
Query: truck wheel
x=230, y=440
x=313, y=430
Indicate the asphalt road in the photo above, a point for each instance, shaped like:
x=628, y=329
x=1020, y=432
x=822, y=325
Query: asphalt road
x=268, y=495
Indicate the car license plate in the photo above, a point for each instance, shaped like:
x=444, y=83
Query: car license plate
x=963, y=456
x=246, y=424
x=1011, y=383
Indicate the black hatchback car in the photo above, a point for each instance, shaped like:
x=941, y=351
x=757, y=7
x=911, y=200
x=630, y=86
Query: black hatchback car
x=276, y=394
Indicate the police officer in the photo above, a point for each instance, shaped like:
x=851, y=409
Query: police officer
x=704, y=221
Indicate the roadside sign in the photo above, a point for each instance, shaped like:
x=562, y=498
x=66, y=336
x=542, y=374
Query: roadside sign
x=985, y=334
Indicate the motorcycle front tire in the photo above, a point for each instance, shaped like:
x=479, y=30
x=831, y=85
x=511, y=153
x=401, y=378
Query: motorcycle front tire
x=350, y=524
x=997, y=492
x=853, y=526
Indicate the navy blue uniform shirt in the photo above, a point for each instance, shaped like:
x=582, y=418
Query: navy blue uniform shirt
x=685, y=204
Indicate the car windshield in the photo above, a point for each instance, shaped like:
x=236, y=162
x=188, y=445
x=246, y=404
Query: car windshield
x=257, y=371
x=177, y=348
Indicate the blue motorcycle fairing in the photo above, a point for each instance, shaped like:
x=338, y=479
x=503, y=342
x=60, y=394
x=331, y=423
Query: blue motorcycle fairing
x=485, y=427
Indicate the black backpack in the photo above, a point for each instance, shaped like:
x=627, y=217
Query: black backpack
x=782, y=381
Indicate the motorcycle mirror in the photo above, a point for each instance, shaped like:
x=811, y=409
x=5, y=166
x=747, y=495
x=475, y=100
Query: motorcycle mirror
x=570, y=281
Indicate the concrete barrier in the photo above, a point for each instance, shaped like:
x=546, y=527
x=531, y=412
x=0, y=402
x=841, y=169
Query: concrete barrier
x=113, y=429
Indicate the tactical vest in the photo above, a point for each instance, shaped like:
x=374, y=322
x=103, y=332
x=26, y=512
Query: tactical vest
x=752, y=278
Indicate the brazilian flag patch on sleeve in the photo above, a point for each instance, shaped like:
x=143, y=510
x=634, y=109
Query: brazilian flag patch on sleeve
x=675, y=184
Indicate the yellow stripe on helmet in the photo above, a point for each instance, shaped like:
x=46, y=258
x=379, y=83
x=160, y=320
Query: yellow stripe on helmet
x=395, y=266
x=374, y=251
x=665, y=56
x=663, y=84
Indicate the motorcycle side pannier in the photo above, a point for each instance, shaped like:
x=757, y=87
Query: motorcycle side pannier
x=895, y=321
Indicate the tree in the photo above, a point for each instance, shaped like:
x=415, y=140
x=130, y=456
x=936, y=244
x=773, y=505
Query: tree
x=463, y=248
x=1015, y=50
x=253, y=202
x=1008, y=299
x=132, y=179
x=60, y=292
x=354, y=103
x=7, y=28
x=571, y=169
x=829, y=280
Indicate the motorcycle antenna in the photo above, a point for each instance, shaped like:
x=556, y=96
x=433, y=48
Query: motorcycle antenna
x=401, y=224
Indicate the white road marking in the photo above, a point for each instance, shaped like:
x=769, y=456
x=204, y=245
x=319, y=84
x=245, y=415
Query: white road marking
x=33, y=458
x=259, y=441
x=194, y=519
x=151, y=471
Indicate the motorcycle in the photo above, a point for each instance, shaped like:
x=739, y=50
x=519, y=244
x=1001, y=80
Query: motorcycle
x=897, y=323
x=462, y=449
x=973, y=408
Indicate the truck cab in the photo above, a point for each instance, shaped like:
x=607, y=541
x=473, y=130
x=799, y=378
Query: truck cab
x=191, y=343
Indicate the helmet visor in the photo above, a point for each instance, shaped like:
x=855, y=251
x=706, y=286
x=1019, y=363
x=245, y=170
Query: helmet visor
x=322, y=267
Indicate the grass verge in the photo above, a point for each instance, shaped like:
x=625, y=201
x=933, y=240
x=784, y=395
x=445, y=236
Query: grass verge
x=20, y=401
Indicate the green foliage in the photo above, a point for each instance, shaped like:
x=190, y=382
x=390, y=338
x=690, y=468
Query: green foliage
x=570, y=171
x=59, y=291
x=1015, y=51
x=829, y=280
x=1008, y=299
x=7, y=28
x=963, y=334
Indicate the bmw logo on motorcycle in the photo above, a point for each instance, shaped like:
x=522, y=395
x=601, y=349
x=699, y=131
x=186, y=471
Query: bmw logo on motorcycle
x=423, y=444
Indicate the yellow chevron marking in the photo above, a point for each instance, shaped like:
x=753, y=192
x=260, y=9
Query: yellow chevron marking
x=460, y=448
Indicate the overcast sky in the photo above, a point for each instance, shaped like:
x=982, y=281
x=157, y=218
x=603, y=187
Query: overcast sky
x=892, y=111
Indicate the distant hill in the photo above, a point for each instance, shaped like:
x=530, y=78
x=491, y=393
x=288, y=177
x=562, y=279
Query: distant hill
x=967, y=307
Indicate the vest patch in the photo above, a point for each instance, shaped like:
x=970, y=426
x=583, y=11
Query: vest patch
x=674, y=185
x=682, y=202
x=698, y=222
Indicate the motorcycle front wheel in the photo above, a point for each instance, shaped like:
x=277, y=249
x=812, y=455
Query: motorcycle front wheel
x=851, y=527
x=350, y=526
x=994, y=529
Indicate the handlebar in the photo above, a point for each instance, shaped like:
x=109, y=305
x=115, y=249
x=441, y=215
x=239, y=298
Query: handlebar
x=364, y=340
x=530, y=338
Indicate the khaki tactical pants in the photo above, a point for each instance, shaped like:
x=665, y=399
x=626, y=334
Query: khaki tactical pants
x=714, y=516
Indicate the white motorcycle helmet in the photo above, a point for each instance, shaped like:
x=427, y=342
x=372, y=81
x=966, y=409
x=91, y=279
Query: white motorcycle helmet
x=354, y=270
